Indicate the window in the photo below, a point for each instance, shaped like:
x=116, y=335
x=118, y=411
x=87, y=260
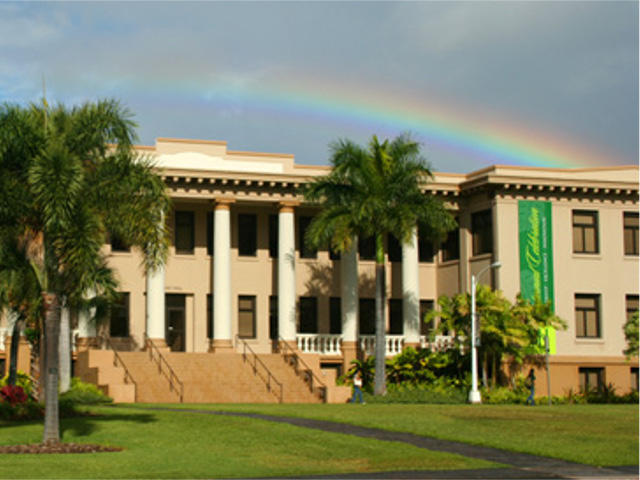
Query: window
x=273, y=236
x=273, y=317
x=482, y=232
x=305, y=249
x=587, y=315
x=631, y=305
x=118, y=245
x=247, y=316
x=426, y=329
x=119, y=321
x=591, y=378
x=367, y=316
x=630, y=220
x=394, y=248
x=425, y=245
x=451, y=246
x=634, y=379
x=395, y=316
x=247, y=235
x=585, y=231
x=308, y=315
x=367, y=248
x=209, y=233
x=209, y=316
x=184, y=232
x=335, y=315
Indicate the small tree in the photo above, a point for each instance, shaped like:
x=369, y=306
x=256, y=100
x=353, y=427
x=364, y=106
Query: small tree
x=631, y=335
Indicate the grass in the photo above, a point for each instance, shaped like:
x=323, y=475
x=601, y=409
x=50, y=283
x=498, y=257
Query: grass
x=174, y=445
x=601, y=435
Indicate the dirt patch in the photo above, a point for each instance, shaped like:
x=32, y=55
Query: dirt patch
x=57, y=448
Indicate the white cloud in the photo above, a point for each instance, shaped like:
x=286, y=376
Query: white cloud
x=20, y=27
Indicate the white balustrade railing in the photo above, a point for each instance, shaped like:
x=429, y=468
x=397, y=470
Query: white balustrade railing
x=324, y=344
x=439, y=343
x=327, y=344
x=394, y=344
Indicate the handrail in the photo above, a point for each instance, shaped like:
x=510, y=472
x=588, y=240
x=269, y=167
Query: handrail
x=116, y=360
x=168, y=373
x=256, y=362
x=310, y=376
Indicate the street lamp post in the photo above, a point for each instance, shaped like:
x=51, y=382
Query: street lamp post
x=474, y=394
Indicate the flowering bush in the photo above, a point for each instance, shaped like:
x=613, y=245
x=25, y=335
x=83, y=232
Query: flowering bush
x=13, y=394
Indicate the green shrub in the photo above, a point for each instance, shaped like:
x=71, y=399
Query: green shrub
x=29, y=410
x=435, y=393
x=82, y=393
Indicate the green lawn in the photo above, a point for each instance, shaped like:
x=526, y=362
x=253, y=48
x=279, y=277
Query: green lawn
x=174, y=445
x=592, y=434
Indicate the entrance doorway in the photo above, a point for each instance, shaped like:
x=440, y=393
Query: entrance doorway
x=175, y=315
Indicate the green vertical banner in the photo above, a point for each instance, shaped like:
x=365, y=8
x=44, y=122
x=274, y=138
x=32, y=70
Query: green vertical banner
x=536, y=257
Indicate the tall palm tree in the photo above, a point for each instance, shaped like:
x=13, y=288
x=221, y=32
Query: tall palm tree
x=372, y=192
x=69, y=177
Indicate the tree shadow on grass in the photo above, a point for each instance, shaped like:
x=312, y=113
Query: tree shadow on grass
x=85, y=425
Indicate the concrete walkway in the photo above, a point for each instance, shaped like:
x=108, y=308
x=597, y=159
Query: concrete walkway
x=521, y=465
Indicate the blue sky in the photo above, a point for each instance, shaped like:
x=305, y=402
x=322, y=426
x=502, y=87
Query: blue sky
x=476, y=82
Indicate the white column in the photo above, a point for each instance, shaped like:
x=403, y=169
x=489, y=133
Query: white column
x=222, y=275
x=155, y=306
x=286, y=274
x=349, y=293
x=411, y=291
x=87, y=327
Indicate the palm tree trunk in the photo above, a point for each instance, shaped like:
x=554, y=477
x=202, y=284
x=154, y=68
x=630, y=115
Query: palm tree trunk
x=65, y=350
x=485, y=362
x=380, y=387
x=13, y=353
x=52, y=334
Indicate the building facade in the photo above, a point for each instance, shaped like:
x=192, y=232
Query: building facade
x=239, y=266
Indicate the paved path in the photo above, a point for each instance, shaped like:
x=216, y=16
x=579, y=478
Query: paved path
x=522, y=465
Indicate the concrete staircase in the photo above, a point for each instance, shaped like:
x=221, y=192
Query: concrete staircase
x=207, y=378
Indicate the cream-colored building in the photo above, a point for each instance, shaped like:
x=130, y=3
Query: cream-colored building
x=238, y=266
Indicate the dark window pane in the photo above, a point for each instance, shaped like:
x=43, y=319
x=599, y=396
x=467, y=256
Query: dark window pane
x=425, y=245
x=247, y=235
x=273, y=317
x=482, y=232
x=367, y=316
x=247, y=316
x=209, y=233
x=367, y=248
x=335, y=315
x=585, y=231
x=451, y=246
x=395, y=316
x=591, y=378
x=209, y=316
x=308, y=315
x=394, y=248
x=631, y=305
x=305, y=250
x=630, y=233
x=425, y=307
x=587, y=315
x=273, y=236
x=184, y=232
x=119, y=324
x=118, y=245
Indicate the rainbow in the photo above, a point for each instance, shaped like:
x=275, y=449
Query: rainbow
x=483, y=137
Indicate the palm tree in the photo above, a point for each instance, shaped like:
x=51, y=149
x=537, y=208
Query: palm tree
x=372, y=192
x=68, y=177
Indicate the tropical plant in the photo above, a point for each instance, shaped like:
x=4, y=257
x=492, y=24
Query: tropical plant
x=67, y=177
x=506, y=329
x=631, y=335
x=372, y=192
